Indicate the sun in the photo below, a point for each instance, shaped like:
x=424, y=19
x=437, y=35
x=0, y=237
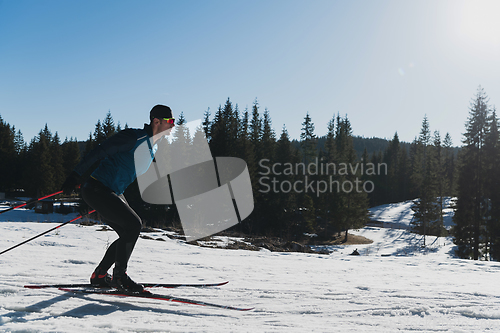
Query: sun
x=479, y=21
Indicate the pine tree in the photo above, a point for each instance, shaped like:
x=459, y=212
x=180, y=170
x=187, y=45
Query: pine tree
x=438, y=226
x=39, y=174
x=286, y=197
x=19, y=143
x=330, y=148
x=256, y=131
x=492, y=165
x=181, y=146
x=308, y=143
x=427, y=216
x=21, y=161
x=207, y=125
x=233, y=120
x=245, y=151
x=46, y=134
x=328, y=202
x=418, y=154
x=308, y=140
x=57, y=162
x=108, y=125
x=279, y=205
x=181, y=120
x=244, y=135
x=416, y=168
x=449, y=166
x=244, y=146
x=218, y=130
x=352, y=209
x=224, y=130
x=255, y=136
x=471, y=205
x=268, y=139
x=99, y=134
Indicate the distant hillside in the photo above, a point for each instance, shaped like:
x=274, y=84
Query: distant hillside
x=372, y=145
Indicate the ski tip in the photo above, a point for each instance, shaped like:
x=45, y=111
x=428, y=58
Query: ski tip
x=247, y=309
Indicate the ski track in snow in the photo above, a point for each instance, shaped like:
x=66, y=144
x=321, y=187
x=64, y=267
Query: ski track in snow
x=394, y=285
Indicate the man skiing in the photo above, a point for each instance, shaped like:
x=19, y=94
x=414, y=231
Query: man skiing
x=104, y=189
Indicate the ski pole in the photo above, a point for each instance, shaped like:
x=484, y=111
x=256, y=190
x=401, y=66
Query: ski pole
x=31, y=201
x=46, y=232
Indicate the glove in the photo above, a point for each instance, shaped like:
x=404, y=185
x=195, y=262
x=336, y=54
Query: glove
x=71, y=183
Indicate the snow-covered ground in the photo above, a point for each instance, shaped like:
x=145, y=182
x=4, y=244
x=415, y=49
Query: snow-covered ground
x=394, y=285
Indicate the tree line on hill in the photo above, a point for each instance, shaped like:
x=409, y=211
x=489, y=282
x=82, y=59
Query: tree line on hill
x=313, y=187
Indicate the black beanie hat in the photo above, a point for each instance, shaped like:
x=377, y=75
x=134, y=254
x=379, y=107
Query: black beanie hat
x=160, y=111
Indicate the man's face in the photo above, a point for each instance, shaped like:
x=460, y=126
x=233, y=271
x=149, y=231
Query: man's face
x=165, y=126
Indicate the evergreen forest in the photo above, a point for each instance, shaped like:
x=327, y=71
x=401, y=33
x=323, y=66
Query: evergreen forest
x=314, y=187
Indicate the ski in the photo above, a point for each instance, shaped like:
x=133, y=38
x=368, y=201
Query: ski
x=146, y=285
x=149, y=295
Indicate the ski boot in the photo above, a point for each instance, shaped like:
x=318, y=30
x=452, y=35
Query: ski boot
x=100, y=278
x=122, y=281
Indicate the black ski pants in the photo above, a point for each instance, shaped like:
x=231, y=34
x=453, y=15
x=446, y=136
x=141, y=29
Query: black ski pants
x=117, y=213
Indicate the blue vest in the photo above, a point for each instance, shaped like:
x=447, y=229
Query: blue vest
x=117, y=168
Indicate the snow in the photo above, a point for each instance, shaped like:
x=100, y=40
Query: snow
x=394, y=285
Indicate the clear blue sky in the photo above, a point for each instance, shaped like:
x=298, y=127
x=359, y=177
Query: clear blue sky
x=385, y=64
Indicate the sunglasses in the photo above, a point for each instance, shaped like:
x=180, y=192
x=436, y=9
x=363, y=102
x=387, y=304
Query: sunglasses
x=169, y=120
